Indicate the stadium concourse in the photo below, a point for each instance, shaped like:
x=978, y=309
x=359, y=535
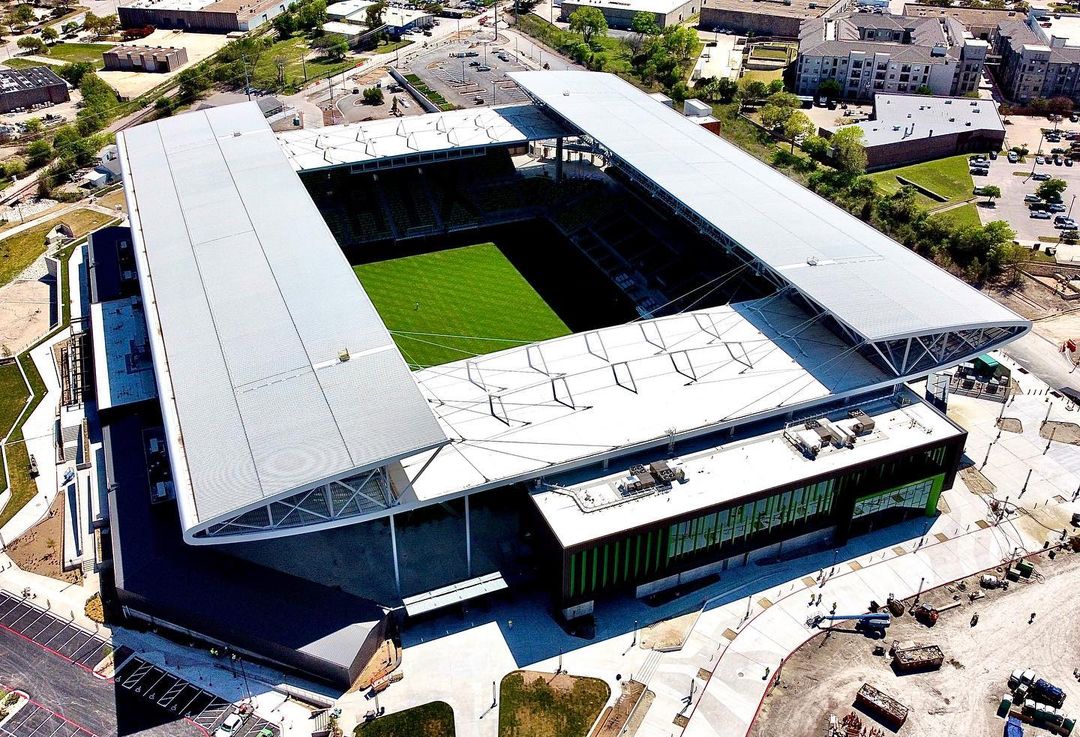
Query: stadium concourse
x=288, y=433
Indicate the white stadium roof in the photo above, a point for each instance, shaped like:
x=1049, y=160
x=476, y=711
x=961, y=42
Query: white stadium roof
x=868, y=282
x=380, y=140
x=252, y=307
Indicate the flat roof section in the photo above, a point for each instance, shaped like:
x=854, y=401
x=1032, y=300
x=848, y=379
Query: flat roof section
x=788, y=8
x=868, y=282
x=123, y=366
x=275, y=370
x=553, y=406
x=597, y=509
x=355, y=143
x=908, y=117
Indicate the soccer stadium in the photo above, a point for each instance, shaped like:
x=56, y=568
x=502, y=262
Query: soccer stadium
x=579, y=345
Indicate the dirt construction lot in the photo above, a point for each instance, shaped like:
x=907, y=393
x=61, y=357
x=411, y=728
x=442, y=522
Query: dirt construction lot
x=962, y=697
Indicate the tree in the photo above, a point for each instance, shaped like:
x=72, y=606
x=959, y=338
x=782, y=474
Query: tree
x=830, y=89
x=39, y=153
x=849, y=154
x=774, y=116
x=192, y=83
x=33, y=45
x=680, y=92
x=1051, y=189
x=74, y=72
x=816, y=146
x=924, y=90
x=990, y=192
x=752, y=90
x=796, y=125
x=775, y=86
x=333, y=45
x=373, y=96
x=49, y=34
x=644, y=23
x=373, y=14
x=69, y=28
x=22, y=15
x=34, y=125
x=285, y=25
x=589, y=22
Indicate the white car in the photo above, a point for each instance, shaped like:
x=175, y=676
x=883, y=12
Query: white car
x=230, y=726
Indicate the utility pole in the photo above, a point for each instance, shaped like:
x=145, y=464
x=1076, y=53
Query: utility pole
x=247, y=79
x=303, y=63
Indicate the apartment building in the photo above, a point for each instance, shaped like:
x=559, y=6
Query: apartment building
x=869, y=53
x=1040, y=57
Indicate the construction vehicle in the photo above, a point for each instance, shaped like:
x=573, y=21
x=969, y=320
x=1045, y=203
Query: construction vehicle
x=928, y=615
x=1014, y=728
x=993, y=582
x=1046, y=692
x=896, y=607
x=909, y=657
x=875, y=622
x=887, y=709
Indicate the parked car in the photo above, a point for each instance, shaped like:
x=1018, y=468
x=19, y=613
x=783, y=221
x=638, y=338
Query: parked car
x=1013, y=157
x=1032, y=198
x=1074, y=118
x=993, y=155
x=1039, y=159
x=230, y=726
x=483, y=68
x=1066, y=226
x=1068, y=161
x=1039, y=215
x=1040, y=177
x=1058, y=161
x=979, y=171
x=1062, y=219
x=1057, y=207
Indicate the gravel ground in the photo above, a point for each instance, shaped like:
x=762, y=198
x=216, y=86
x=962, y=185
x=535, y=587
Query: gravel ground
x=960, y=698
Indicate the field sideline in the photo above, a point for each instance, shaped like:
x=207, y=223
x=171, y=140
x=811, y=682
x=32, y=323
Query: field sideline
x=450, y=305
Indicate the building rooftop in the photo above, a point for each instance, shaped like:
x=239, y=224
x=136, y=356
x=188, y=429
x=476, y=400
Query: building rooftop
x=598, y=508
x=15, y=80
x=634, y=6
x=794, y=9
x=968, y=17
x=354, y=143
x=903, y=117
x=536, y=410
x=1058, y=29
x=869, y=283
x=123, y=366
x=275, y=370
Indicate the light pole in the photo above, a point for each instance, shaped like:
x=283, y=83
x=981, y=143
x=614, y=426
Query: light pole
x=1071, y=206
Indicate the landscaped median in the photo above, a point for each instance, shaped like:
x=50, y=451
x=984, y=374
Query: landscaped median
x=428, y=720
x=533, y=704
x=10, y=702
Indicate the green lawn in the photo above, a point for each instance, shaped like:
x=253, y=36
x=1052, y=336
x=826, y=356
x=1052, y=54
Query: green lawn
x=294, y=50
x=760, y=75
x=947, y=177
x=13, y=396
x=80, y=52
x=770, y=54
x=959, y=216
x=450, y=305
x=20, y=250
x=429, y=720
x=539, y=710
x=16, y=62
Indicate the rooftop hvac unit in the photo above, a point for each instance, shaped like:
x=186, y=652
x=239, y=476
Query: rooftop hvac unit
x=864, y=423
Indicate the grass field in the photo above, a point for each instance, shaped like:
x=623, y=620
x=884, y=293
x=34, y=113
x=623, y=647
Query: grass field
x=429, y=720
x=759, y=75
x=13, y=396
x=946, y=177
x=20, y=250
x=450, y=305
x=539, y=710
x=18, y=63
x=964, y=215
x=294, y=50
x=79, y=52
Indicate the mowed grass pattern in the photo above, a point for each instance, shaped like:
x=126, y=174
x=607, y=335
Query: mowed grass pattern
x=949, y=178
x=450, y=305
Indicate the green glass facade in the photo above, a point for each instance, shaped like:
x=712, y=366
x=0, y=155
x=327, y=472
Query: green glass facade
x=856, y=495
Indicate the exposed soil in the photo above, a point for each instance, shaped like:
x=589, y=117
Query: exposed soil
x=976, y=482
x=1010, y=424
x=385, y=661
x=39, y=549
x=1061, y=432
x=560, y=682
x=667, y=634
x=822, y=677
x=615, y=716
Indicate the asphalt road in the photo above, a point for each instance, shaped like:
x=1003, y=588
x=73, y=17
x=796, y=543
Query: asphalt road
x=96, y=705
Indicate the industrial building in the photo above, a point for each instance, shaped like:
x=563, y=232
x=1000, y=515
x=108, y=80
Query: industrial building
x=776, y=19
x=1040, y=56
x=641, y=454
x=620, y=13
x=349, y=18
x=207, y=16
x=867, y=53
x=907, y=129
x=25, y=88
x=144, y=59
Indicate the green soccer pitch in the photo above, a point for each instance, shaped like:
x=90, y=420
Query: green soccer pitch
x=450, y=305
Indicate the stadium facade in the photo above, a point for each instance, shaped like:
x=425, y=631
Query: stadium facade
x=654, y=452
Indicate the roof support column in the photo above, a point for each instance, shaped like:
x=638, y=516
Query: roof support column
x=393, y=549
x=558, y=158
x=468, y=540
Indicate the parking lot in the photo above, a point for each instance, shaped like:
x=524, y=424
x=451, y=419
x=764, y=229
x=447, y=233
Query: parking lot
x=474, y=80
x=1015, y=181
x=37, y=648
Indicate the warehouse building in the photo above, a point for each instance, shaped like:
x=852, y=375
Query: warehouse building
x=778, y=19
x=25, y=88
x=907, y=129
x=620, y=13
x=647, y=453
x=144, y=59
x=207, y=16
x=868, y=53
